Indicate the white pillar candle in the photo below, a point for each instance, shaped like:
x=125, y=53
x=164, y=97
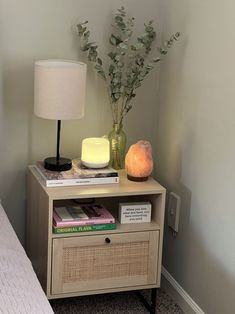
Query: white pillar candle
x=95, y=152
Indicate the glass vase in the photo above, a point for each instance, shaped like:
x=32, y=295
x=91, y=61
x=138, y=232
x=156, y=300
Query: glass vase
x=117, y=138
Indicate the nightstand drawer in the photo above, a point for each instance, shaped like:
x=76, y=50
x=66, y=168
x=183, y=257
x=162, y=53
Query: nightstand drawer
x=104, y=261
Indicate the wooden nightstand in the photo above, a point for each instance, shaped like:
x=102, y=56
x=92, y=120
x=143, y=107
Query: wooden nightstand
x=128, y=258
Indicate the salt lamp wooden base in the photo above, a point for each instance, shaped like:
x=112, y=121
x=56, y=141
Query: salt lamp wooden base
x=137, y=179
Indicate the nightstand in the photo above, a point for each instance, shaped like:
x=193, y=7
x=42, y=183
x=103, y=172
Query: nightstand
x=74, y=264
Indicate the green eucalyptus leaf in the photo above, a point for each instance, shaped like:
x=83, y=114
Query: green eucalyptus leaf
x=157, y=59
x=123, y=46
x=116, y=81
x=149, y=66
x=99, y=61
x=120, y=64
x=80, y=29
x=116, y=89
x=87, y=46
x=102, y=74
x=112, y=55
x=117, y=57
x=92, y=54
x=121, y=26
x=118, y=18
x=83, y=23
x=86, y=34
x=111, y=68
x=98, y=67
x=137, y=46
x=115, y=40
x=122, y=12
x=162, y=51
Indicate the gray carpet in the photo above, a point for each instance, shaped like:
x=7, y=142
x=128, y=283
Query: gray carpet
x=114, y=303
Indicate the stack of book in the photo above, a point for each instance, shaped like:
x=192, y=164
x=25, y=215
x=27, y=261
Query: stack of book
x=82, y=218
x=78, y=175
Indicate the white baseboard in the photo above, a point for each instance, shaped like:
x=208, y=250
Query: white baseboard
x=181, y=297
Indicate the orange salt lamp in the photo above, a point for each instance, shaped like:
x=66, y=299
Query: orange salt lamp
x=138, y=161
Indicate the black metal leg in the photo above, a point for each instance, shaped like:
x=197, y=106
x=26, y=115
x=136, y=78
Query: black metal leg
x=153, y=300
x=151, y=307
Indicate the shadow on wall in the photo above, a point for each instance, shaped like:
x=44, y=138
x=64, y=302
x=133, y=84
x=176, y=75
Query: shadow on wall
x=170, y=177
x=174, y=170
x=187, y=257
x=17, y=103
x=16, y=110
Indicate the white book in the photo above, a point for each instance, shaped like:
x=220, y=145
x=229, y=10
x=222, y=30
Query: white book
x=52, y=182
x=70, y=213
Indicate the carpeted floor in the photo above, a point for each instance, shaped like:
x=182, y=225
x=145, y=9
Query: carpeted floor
x=114, y=303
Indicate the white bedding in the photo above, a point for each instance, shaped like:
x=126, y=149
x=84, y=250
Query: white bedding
x=20, y=290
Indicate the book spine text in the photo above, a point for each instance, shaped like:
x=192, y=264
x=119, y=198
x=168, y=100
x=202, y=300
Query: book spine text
x=87, y=228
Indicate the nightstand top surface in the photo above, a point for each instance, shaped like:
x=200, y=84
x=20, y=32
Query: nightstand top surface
x=124, y=187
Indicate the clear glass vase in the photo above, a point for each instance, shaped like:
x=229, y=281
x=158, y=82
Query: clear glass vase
x=117, y=138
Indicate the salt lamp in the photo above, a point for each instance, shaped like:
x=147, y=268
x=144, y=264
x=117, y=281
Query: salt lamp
x=138, y=161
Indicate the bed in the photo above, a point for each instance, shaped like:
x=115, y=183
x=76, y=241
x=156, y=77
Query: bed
x=20, y=290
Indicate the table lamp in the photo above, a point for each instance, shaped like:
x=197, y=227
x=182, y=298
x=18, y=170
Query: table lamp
x=59, y=94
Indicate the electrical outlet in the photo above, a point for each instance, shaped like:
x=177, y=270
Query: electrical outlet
x=174, y=211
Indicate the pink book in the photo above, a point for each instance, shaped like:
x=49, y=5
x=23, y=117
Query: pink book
x=97, y=215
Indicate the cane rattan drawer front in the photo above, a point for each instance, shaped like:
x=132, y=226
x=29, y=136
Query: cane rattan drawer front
x=104, y=261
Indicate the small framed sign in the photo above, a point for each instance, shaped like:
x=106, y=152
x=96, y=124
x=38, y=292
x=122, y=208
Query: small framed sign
x=136, y=212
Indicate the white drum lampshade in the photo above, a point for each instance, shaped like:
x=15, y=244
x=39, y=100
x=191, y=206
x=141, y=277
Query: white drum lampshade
x=59, y=94
x=95, y=152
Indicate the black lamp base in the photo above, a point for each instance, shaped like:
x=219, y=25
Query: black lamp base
x=52, y=164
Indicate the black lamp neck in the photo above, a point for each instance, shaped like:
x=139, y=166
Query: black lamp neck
x=58, y=163
x=58, y=141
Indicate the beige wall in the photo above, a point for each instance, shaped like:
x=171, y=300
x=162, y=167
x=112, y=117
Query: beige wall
x=192, y=133
x=32, y=30
x=195, y=149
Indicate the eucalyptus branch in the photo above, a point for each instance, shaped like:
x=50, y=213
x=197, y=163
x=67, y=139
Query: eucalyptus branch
x=90, y=48
x=123, y=105
x=110, y=101
x=130, y=60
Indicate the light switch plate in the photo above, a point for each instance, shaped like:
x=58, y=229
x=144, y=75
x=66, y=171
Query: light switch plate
x=174, y=211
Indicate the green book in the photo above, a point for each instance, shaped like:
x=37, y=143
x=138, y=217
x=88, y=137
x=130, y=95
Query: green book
x=85, y=228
